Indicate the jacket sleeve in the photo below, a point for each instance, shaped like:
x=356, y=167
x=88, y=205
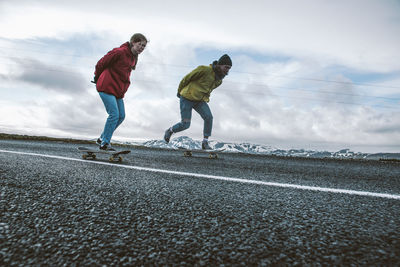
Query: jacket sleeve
x=106, y=61
x=196, y=74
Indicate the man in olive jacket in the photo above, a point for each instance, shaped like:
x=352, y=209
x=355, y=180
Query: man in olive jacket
x=194, y=92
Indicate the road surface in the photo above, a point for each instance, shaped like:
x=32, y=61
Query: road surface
x=160, y=208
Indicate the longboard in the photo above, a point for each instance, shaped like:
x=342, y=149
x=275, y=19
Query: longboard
x=212, y=153
x=91, y=153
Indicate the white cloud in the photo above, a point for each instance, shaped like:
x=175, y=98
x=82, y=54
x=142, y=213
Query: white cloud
x=360, y=34
x=48, y=77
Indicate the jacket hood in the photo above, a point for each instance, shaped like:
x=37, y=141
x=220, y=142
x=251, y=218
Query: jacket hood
x=127, y=46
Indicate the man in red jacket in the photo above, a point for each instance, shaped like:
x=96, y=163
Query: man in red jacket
x=112, y=79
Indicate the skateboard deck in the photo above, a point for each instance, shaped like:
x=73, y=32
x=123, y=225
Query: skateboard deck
x=90, y=153
x=212, y=153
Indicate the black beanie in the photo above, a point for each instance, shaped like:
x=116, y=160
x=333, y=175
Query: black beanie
x=225, y=60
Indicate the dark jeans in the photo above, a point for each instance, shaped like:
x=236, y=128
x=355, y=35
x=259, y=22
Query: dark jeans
x=186, y=115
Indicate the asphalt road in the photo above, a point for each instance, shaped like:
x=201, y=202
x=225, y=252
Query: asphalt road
x=152, y=209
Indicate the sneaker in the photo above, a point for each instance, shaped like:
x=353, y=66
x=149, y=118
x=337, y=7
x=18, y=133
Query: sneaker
x=107, y=147
x=167, y=135
x=205, y=145
x=98, y=141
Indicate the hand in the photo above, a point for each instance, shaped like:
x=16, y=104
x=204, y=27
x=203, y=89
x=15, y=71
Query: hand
x=95, y=79
x=178, y=95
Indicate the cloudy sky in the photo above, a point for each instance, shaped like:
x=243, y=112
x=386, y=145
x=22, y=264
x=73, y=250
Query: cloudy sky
x=312, y=74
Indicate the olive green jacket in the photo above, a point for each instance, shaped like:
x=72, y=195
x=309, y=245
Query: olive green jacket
x=198, y=85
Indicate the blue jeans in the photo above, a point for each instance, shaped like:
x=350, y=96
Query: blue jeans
x=116, y=114
x=186, y=116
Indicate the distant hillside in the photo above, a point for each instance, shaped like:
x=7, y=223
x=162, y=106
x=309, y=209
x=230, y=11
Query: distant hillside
x=40, y=138
x=245, y=148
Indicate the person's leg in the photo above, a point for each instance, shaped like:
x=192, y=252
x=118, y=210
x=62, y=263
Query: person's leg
x=121, y=110
x=110, y=103
x=204, y=110
x=186, y=107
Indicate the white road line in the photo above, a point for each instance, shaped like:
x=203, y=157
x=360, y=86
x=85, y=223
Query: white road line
x=223, y=178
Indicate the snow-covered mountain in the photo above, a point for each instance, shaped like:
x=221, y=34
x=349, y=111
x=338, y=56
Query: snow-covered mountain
x=187, y=142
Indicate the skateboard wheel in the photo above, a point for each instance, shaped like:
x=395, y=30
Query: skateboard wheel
x=213, y=156
x=84, y=156
x=111, y=159
x=93, y=156
x=187, y=154
x=119, y=159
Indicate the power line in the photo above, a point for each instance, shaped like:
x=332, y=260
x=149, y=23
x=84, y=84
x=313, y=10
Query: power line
x=233, y=71
x=309, y=90
x=292, y=97
x=249, y=84
x=322, y=80
x=264, y=93
x=292, y=77
x=312, y=99
x=47, y=53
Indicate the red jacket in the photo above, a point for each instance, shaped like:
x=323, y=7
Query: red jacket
x=114, y=69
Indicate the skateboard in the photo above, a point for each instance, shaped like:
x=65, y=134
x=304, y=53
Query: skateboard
x=91, y=153
x=212, y=153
